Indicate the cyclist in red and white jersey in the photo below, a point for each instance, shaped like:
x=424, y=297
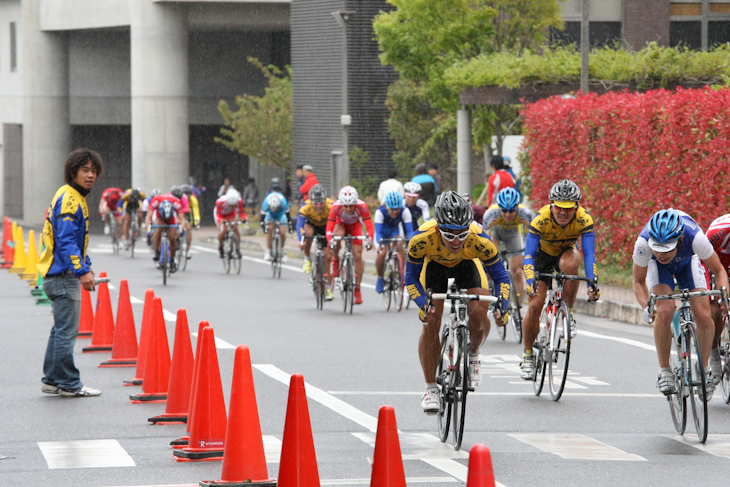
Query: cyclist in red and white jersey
x=226, y=208
x=719, y=236
x=111, y=204
x=347, y=215
x=165, y=209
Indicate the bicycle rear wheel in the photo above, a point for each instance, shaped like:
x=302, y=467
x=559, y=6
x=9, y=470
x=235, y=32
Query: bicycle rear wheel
x=678, y=401
x=236, y=258
x=515, y=317
x=350, y=283
x=725, y=360
x=227, y=253
x=396, y=289
x=443, y=416
x=387, y=283
x=696, y=378
x=559, y=352
x=461, y=385
x=114, y=231
x=540, y=367
x=164, y=261
x=134, y=234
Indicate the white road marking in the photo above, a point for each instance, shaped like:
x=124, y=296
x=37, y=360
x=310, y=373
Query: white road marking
x=591, y=381
x=423, y=445
x=409, y=480
x=573, y=385
x=627, y=341
x=219, y=344
x=576, y=447
x=85, y=454
x=413, y=393
x=718, y=445
x=272, y=448
x=134, y=300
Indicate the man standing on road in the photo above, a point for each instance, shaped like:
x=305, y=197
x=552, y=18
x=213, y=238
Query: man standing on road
x=64, y=265
x=309, y=180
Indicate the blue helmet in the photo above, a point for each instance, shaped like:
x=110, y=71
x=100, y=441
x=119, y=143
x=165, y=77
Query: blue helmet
x=393, y=200
x=166, y=210
x=508, y=199
x=665, y=228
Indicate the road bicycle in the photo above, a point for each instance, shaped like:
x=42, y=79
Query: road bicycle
x=182, y=253
x=318, y=280
x=277, y=252
x=165, y=262
x=345, y=282
x=133, y=233
x=725, y=360
x=689, y=375
x=231, y=242
x=393, y=281
x=552, y=347
x=514, y=308
x=114, y=233
x=452, y=372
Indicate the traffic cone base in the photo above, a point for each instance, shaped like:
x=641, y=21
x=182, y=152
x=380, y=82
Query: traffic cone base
x=143, y=398
x=117, y=362
x=97, y=348
x=133, y=382
x=167, y=418
x=16, y=270
x=182, y=442
x=222, y=483
x=201, y=456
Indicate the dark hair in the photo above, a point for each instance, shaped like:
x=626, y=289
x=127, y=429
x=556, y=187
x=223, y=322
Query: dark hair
x=300, y=166
x=251, y=180
x=497, y=162
x=79, y=158
x=433, y=165
x=393, y=173
x=420, y=168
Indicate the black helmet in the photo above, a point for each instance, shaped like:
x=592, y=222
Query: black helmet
x=565, y=190
x=176, y=191
x=187, y=189
x=134, y=195
x=317, y=194
x=452, y=211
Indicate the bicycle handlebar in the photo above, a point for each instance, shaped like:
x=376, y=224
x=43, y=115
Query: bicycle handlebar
x=561, y=277
x=686, y=295
x=349, y=237
x=463, y=297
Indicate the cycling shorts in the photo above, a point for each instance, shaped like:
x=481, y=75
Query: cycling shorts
x=353, y=229
x=467, y=274
x=158, y=221
x=118, y=211
x=690, y=276
x=318, y=229
x=231, y=217
x=132, y=207
x=281, y=219
x=545, y=262
x=510, y=241
x=391, y=232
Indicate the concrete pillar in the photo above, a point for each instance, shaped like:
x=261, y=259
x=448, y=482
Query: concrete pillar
x=463, y=151
x=43, y=65
x=159, y=74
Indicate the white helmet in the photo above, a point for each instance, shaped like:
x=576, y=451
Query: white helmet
x=348, y=195
x=232, y=198
x=411, y=187
x=274, y=202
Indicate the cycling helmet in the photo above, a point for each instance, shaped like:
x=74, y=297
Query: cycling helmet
x=665, y=228
x=134, y=194
x=232, y=198
x=317, y=194
x=452, y=211
x=187, y=189
x=565, y=191
x=411, y=188
x=348, y=195
x=393, y=200
x=176, y=191
x=274, y=202
x=508, y=199
x=155, y=192
x=166, y=210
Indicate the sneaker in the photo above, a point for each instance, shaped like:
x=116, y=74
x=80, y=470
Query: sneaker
x=307, y=266
x=126, y=245
x=665, y=382
x=709, y=385
x=328, y=295
x=528, y=366
x=379, y=286
x=267, y=256
x=106, y=229
x=49, y=389
x=335, y=267
x=358, y=295
x=475, y=371
x=173, y=266
x=284, y=258
x=237, y=254
x=716, y=368
x=220, y=252
x=158, y=266
x=83, y=392
x=430, y=402
x=573, y=329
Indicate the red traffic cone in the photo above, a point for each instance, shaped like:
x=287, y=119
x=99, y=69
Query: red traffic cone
x=481, y=473
x=387, y=461
x=298, y=464
x=181, y=376
x=208, y=430
x=143, y=336
x=244, y=461
x=124, y=349
x=86, y=323
x=182, y=442
x=157, y=363
x=102, y=338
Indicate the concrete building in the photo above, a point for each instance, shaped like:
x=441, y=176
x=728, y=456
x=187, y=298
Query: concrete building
x=137, y=80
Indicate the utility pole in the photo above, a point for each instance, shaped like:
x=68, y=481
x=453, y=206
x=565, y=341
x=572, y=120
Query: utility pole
x=343, y=173
x=585, y=47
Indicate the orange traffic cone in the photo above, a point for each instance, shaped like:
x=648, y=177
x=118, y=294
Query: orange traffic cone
x=208, y=430
x=182, y=442
x=387, y=461
x=124, y=349
x=8, y=243
x=86, y=323
x=481, y=473
x=31, y=260
x=181, y=376
x=143, y=336
x=19, y=260
x=102, y=337
x=298, y=464
x=244, y=460
x=157, y=363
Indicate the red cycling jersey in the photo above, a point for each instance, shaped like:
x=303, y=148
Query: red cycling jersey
x=497, y=182
x=112, y=196
x=338, y=216
x=224, y=212
x=719, y=236
x=176, y=205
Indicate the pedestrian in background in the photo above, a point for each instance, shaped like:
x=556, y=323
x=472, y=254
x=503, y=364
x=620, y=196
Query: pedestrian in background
x=498, y=181
x=65, y=267
x=300, y=180
x=225, y=187
x=251, y=196
x=390, y=184
x=309, y=180
x=433, y=171
x=428, y=184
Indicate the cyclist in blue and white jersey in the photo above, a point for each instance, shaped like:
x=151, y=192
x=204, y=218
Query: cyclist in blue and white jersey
x=390, y=221
x=274, y=210
x=671, y=246
x=414, y=203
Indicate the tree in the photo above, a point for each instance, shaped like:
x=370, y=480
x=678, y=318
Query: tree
x=262, y=125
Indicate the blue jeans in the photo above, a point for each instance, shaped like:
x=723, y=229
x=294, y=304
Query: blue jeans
x=59, y=369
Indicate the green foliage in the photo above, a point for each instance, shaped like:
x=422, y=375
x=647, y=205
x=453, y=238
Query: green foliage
x=652, y=67
x=262, y=125
x=365, y=185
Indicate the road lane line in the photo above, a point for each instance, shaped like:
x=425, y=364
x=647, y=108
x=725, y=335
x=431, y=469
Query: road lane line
x=576, y=447
x=409, y=480
x=718, y=445
x=85, y=454
x=219, y=344
x=627, y=341
x=583, y=394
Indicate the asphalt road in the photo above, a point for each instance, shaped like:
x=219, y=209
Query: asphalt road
x=610, y=428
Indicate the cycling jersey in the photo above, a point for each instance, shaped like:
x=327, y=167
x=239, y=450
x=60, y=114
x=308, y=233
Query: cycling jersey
x=194, y=209
x=388, y=227
x=497, y=182
x=719, y=236
x=132, y=204
x=545, y=235
x=281, y=212
x=157, y=201
x=338, y=216
x=426, y=247
x=307, y=214
x=420, y=209
x=185, y=204
x=224, y=212
x=493, y=218
x=111, y=196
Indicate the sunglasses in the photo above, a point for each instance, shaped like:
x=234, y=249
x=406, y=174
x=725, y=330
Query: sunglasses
x=507, y=211
x=561, y=208
x=450, y=237
x=348, y=206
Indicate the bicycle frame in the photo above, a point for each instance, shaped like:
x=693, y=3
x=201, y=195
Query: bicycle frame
x=347, y=279
x=317, y=280
x=391, y=294
x=165, y=255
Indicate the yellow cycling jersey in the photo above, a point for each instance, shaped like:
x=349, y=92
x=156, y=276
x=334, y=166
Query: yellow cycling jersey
x=554, y=238
x=314, y=218
x=426, y=246
x=127, y=199
x=493, y=217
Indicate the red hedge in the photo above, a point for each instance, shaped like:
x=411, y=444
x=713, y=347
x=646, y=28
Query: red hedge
x=633, y=154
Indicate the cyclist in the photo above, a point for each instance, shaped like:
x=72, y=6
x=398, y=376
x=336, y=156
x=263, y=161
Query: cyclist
x=452, y=245
x=132, y=204
x=111, y=205
x=417, y=206
x=346, y=217
x=275, y=209
x=551, y=246
x=192, y=219
x=165, y=209
x=503, y=222
x=718, y=234
x=225, y=211
x=671, y=247
x=390, y=221
x=313, y=221
x=145, y=209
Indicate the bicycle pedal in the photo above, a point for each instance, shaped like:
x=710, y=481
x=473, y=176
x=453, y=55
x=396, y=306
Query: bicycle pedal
x=471, y=389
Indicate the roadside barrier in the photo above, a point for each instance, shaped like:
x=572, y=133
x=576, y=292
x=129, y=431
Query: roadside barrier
x=387, y=460
x=86, y=323
x=181, y=375
x=157, y=361
x=124, y=347
x=31, y=260
x=149, y=295
x=102, y=337
x=182, y=442
x=19, y=258
x=481, y=473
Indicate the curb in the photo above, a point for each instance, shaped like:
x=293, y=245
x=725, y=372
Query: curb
x=625, y=313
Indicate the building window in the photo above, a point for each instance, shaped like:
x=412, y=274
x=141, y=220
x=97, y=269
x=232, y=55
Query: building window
x=699, y=24
x=600, y=34
x=685, y=34
x=13, y=46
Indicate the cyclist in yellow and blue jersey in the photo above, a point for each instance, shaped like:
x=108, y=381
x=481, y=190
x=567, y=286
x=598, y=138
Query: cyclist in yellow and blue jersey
x=312, y=221
x=132, y=205
x=192, y=218
x=452, y=245
x=551, y=247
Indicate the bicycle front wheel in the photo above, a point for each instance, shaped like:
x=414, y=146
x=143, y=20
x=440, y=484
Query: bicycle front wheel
x=538, y=350
x=319, y=281
x=133, y=234
x=350, y=283
x=164, y=261
x=725, y=361
x=236, y=257
x=344, y=283
x=515, y=317
x=443, y=416
x=696, y=380
x=387, y=283
x=227, y=252
x=461, y=385
x=396, y=289
x=115, y=235
x=678, y=401
x=559, y=351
